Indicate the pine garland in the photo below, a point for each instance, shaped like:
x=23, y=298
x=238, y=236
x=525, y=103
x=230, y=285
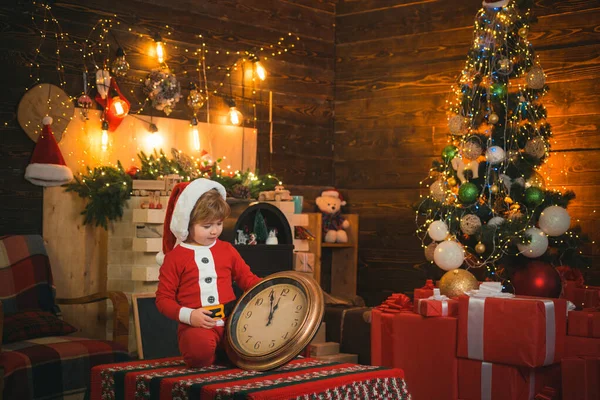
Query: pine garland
x=106, y=189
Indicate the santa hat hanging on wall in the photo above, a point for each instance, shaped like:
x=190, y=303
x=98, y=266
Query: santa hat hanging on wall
x=177, y=216
x=333, y=193
x=495, y=3
x=47, y=166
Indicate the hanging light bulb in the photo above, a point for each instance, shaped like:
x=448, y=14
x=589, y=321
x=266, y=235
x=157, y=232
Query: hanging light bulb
x=260, y=70
x=104, y=136
x=152, y=127
x=235, y=116
x=160, y=48
x=195, y=134
x=119, y=107
x=120, y=66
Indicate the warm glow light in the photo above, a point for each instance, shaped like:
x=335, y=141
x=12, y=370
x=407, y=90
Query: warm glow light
x=235, y=116
x=195, y=134
x=260, y=71
x=119, y=107
x=160, y=49
x=154, y=140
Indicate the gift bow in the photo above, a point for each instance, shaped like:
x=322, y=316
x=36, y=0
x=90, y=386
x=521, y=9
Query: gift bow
x=488, y=289
x=398, y=302
x=428, y=284
x=438, y=296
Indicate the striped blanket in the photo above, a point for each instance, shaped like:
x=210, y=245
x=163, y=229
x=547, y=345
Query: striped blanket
x=303, y=378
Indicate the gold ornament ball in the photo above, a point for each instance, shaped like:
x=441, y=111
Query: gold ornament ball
x=493, y=118
x=480, y=248
x=452, y=181
x=457, y=282
x=494, y=189
x=523, y=32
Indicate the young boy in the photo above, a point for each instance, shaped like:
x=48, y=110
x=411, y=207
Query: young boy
x=194, y=285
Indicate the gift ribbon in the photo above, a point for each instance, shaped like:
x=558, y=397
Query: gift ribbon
x=475, y=323
x=486, y=382
x=439, y=297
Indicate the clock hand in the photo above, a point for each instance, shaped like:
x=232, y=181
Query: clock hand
x=271, y=299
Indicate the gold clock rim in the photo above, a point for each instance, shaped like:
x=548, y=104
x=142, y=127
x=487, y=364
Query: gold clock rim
x=302, y=337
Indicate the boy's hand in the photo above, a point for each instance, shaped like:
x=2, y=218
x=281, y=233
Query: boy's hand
x=201, y=318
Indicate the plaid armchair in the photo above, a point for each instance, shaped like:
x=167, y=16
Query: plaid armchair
x=37, y=359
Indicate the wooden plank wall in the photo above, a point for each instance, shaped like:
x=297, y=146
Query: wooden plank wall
x=301, y=80
x=395, y=63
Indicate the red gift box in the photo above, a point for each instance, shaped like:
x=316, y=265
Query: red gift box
x=424, y=292
x=418, y=344
x=527, y=331
x=581, y=296
x=436, y=308
x=479, y=380
x=584, y=323
x=582, y=346
x=581, y=378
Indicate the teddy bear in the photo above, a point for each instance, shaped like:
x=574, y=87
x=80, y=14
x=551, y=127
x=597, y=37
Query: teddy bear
x=330, y=204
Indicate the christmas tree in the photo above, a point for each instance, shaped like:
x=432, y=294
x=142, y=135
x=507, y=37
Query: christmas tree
x=488, y=205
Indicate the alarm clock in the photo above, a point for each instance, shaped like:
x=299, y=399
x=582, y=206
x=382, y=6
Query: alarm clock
x=274, y=321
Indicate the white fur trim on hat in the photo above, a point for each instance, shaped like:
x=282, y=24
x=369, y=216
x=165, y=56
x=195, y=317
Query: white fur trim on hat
x=180, y=221
x=48, y=174
x=47, y=120
x=495, y=4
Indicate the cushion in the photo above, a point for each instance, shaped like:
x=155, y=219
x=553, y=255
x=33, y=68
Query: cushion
x=54, y=367
x=33, y=324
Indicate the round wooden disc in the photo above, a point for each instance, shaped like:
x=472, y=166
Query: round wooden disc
x=39, y=101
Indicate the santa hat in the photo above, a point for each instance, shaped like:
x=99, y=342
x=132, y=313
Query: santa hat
x=495, y=4
x=177, y=216
x=333, y=193
x=47, y=166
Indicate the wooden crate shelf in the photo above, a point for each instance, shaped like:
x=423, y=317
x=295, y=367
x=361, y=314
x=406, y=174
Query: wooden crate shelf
x=151, y=245
x=344, y=256
x=149, y=216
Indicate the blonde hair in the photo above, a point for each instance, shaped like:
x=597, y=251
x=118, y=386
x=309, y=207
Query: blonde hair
x=210, y=207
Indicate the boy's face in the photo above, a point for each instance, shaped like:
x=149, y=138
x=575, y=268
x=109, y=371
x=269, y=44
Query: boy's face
x=205, y=233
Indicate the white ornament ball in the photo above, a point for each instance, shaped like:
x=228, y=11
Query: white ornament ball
x=536, y=78
x=495, y=155
x=495, y=221
x=449, y=255
x=470, y=224
x=537, y=246
x=429, y=250
x=438, y=230
x=457, y=125
x=555, y=221
x=47, y=120
x=471, y=150
x=437, y=190
x=536, y=147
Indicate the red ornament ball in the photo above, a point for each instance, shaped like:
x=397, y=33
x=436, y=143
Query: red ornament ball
x=132, y=172
x=538, y=279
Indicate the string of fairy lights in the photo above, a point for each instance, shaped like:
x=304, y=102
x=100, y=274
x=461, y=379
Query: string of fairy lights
x=97, y=46
x=472, y=119
x=95, y=49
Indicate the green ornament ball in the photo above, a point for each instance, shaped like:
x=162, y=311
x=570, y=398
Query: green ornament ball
x=468, y=193
x=449, y=152
x=534, y=196
x=498, y=89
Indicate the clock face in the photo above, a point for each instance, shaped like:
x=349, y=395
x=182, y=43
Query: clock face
x=274, y=321
x=269, y=317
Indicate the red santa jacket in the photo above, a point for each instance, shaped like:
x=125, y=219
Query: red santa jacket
x=194, y=276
